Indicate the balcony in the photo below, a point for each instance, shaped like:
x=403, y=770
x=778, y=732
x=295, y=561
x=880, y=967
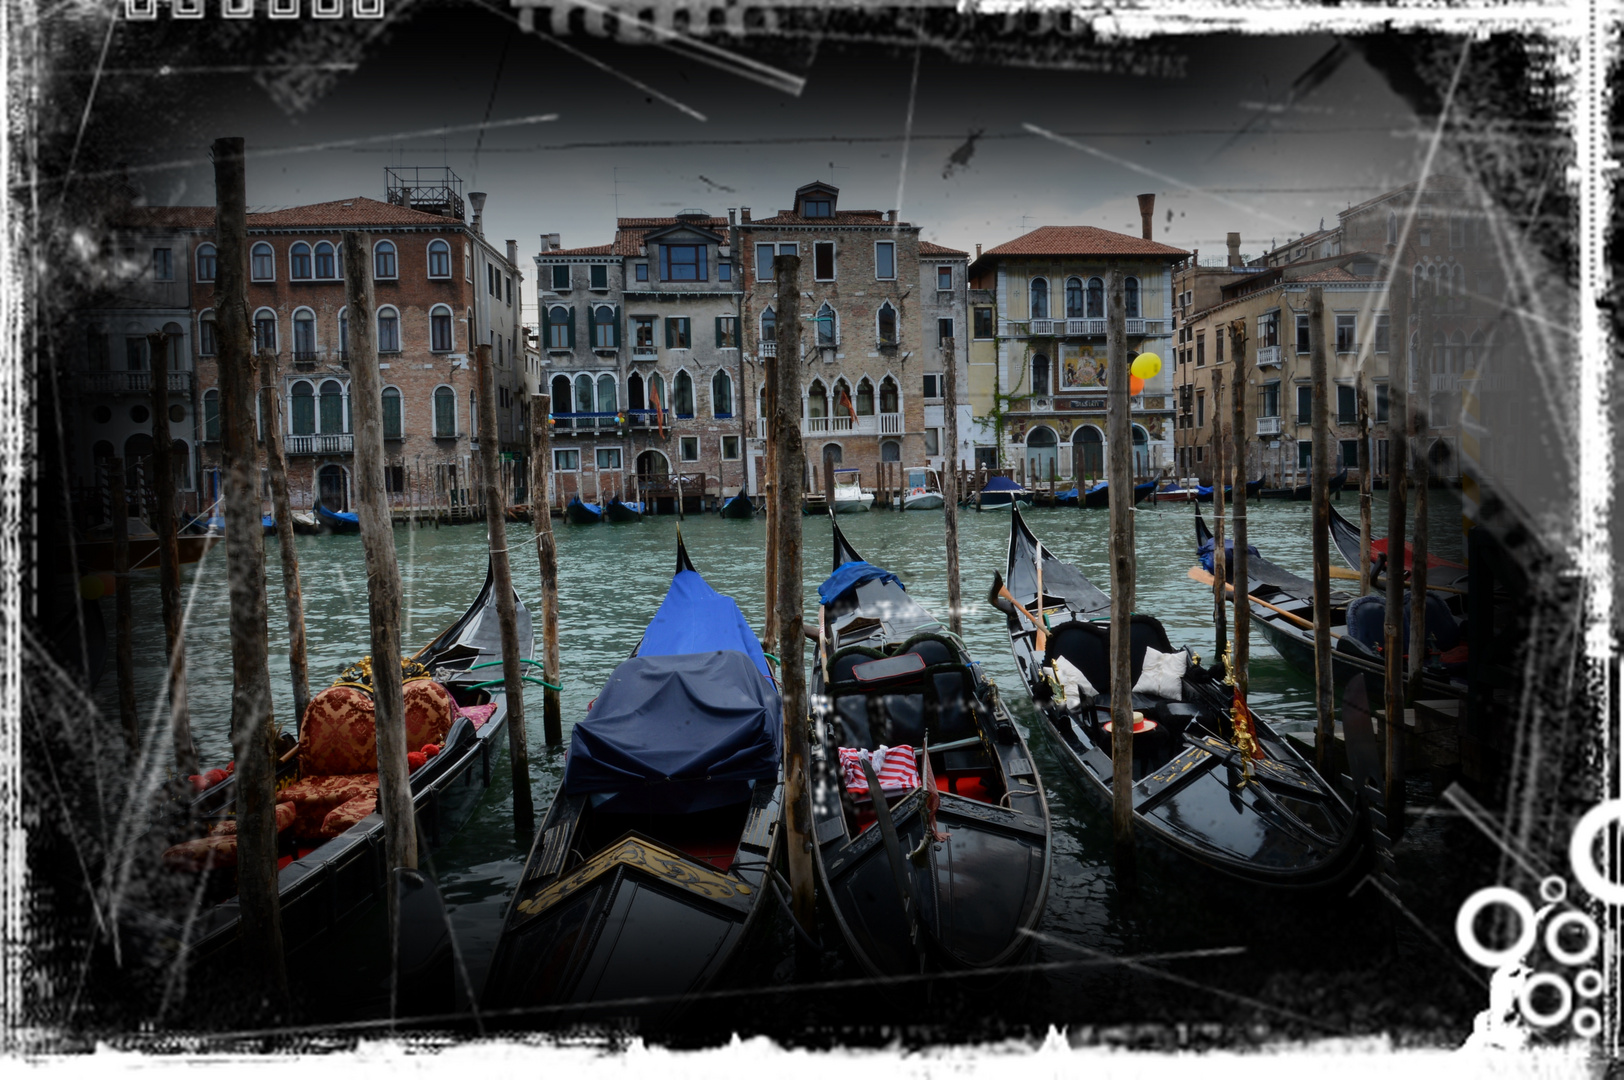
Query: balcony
x=308, y=445
x=1268, y=356
x=645, y=352
x=1268, y=425
x=883, y=424
x=1084, y=328
x=890, y=423
x=767, y=349
x=1445, y=382
x=132, y=382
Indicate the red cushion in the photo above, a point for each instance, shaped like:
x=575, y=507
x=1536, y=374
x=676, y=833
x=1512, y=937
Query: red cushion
x=339, y=735
x=430, y=708
x=348, y=814
x=285, y=815
x=315, y=797
x=204, y=853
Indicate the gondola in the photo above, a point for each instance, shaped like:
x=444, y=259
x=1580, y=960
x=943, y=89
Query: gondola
x=739, y=506
x=1305, y=492
x=305, y=523
x=583, y=513
x=1098, y=497
x=1000, y=493
x=1284, y=826
x=623, y=513
x=895, y=677
x=95, y=551
x=1068, y=498
x=336, y=521
x=330, y=840
x=1345, y=535
x=651, y=869
x=1204, y=494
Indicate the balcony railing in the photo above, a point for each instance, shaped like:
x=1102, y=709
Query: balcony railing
x=890, y=423
x=1268, y=425
x=305, y=445
x=883, y=424
x=132, y=382
x=1446, y=381
x=645, y=352
x=1268, y=356
x=1083, y=327
x=767, y=349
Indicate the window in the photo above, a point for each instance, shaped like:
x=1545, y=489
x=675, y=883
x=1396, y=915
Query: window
x=817, y=399
x=205, y=337
x=1423, y=228
x=262, y=263
x=643, y=331
x=828, y=330
x=865, y=398
x=933, y=441
x=1096, y=298
x=1268, y=330
x=211, y=416
x=304, y=334
x=206, y=263
x=1074, y=298
x=683, y=262
x=391, y=414
x=1130, y=298
x=823, y=260
x=1201, y=349
x=730, y=448
x=604, y=327
x=439, y=259
x=388, y=330
x=163, y=266
x=343, y=332
x=1381, y=403
x=721, y=396
x=566, y=460
x=599, y=277
x=583, y=396
x=944, y=331
x=608, y=396
x=493, y=281
x=887, y=324
x=727, y=332
x=682, y=396
x=265, y=330
x=944, y=278
x=445, y=413
x=299, y=262
x=1218, y=346
x=1040, y=375
x=609, y=457
x=559, y=327
x=815, y=208
x=1346, y=405
x=1269, y=399
x=1039, y=292
x=639, y=271
x=302, y=411
x=933, y=385
x=764, y=262
x=1303, y=334
x=327, y=261
x=1349, y=453
x=383, y=260
x=885, y=260
x=690, y=448
x=677, y=333
x=1305, y=453
x=1201, y=408
x=561, y=278
x=1392, y=227
x=1305, y=404
x=1345, y=333
x=888, y=395
x=440, y=339
x=890, y=450
x=984, y=323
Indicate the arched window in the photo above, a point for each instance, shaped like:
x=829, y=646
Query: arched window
x=817, y=400
x=473, y=415
x=1088, y=451
x=887, y=324
x=1040, y=375
x=205, y=334
x=262, y=263
x=840, y=402
x=326, y=261
x=265, y=330
x=392, y=426
x=1074, y=298
x=1460, y=280
x=1042, y=458
x=211, y=416
x=304, y=334
x=828, y=326
x=299, y=261
x=657, y=397
x=177, y=343
x=344, y=332
x=302, y=409
x=332, y=407
x=721, y=395
x=1130, y=298
x=207, y=264
x=608, y=399
x=559, y=325
x=890, y=450
x=1473, y=352
x=1040, y=298
x=888, y=395
x=583, y=397
x=635, y=399
x=1392, y=227
x=603, y=327
x=1417, y=278
x=445, y=413
x=562, y=402
x=1141, y=451
x=439, y=259
x=383, y=260
x=769, y=325
x=388, y=330
x=441, y=338
x=833, y=454
x=683, y=396
x=1096, y=298
x=865, y=397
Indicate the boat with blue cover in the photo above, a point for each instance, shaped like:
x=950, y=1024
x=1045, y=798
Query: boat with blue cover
x=1001, y=493
x=738, y=507
x=1098, y=497
x=651, y=869
x=1204, y=494
x=337, y=521
x=583, y=513
x=623, y=513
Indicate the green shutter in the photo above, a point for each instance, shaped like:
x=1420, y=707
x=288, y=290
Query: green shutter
x=572, y=328
x=718, y=331
x=591, y=325
x=616, y=331
x=670, y=339
x=546, y=329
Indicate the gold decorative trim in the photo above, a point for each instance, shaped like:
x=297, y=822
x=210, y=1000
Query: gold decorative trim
x=654, y=860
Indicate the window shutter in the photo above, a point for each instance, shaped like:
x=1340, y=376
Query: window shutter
x=546, y=327
x=572, y=328
x=718, y=331
x=591, y=325
x=669, y=326
x=616, y=331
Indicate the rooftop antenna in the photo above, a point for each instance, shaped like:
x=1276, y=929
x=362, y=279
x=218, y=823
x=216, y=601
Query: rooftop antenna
x=615, y=173
x=1023, y=221
x=832, y=168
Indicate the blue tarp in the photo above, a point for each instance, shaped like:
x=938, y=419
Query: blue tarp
x=1002, y=483
x=1204, y=553
x=677, y=733
x=695, y=618
x=578, y=501
x=849, y=576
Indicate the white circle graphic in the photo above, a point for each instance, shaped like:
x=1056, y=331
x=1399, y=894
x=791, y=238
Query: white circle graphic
x=1525, y=999
x=1553, y=890
x=1588, y=983
x=1586, y=1022
x=1466, y=933
x=1583, y=863
x=1553, y=937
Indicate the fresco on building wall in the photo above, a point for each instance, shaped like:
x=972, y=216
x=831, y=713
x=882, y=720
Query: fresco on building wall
x=1082, y=367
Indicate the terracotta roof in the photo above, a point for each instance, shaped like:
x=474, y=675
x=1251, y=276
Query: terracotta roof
x=630, y=231
x=600, y=249
x=928, y=248
x=1331, y=273
x=1080, y=240
x=359, y=212
x=839, y=217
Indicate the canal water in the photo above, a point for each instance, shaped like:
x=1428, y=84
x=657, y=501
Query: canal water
x=1109, y=953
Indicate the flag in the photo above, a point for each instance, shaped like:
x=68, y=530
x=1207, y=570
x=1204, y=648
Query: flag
x=845, y=399
x=933, y=800
x=659, y=412
x=1244, y=727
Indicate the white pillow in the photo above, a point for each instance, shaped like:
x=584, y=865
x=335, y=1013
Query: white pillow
x=1161, y=674
x=1075, y=684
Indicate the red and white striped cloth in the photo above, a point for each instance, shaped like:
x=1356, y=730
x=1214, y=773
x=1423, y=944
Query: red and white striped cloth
x=894, y=765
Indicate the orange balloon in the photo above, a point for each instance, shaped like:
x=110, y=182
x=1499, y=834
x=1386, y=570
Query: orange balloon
x=1136, y=385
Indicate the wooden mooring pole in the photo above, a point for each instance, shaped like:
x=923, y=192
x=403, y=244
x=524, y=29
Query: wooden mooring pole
x=950, y=485
x=1240, y=647
x=163, y=491
x=1122, y=572
x=1319, y=491
x=1364, y=481
x=123, y=653
x=507, y=612
x=1399, y=363
x=791, y=468
x=1220, y=562
x=1420, y=469
x=253, y=727
x=282, y=512
x=541, y=475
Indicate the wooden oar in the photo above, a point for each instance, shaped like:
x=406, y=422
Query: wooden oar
x=1042, y=638
x=1353, y=575
x=1198, y=574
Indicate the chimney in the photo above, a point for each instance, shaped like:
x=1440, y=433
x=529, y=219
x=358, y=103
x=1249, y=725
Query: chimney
x=554, y=241
x=513, y=252
x=744, y=214
x=891, y=216
x=1234, y=249
x=732, y=218
x=476, y=199
x=1147, y=208
x=978, y=251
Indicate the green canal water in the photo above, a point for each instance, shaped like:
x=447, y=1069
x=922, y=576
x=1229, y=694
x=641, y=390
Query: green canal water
x=1319, y=966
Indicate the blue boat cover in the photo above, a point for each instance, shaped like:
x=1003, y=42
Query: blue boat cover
x=578, y=501
x=338, y=515
x=695, y=618
x=677, y=733
x=849, y=576
x=1002, y=483
x=1204, y=553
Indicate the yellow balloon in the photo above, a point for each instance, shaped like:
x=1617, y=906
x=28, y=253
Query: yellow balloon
x=1146, y=365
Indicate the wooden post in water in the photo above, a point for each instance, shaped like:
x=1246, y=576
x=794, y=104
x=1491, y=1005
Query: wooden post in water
x=1364, y=480
x=541, y=463
x=1320, y=462
x=1122, y=570
x=1240, y=648
x=786, y=432
x=950, y=486
x=829, y=481
x=282, y=512
x=123, y=655
x=1220, y=563
x=1417, y=414
x=1398, y=451
x=163, y=490
x=507, y=612
x=253, y=727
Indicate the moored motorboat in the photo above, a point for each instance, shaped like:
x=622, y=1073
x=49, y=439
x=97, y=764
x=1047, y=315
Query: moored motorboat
x=651, y=868
x=1259, y=813
x=949, y=868
x=305, y=523
x=623, y=513
x=924, y=490
x=583, y=513
x=1176, y=492
x=1000, y=493
x=850, y=495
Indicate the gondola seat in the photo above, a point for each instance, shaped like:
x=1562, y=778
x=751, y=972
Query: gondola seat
x=430, y=710
x=954, y=693
x=1088, y=647
x=347, y=814
x=338, y=757
x=219, y=848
